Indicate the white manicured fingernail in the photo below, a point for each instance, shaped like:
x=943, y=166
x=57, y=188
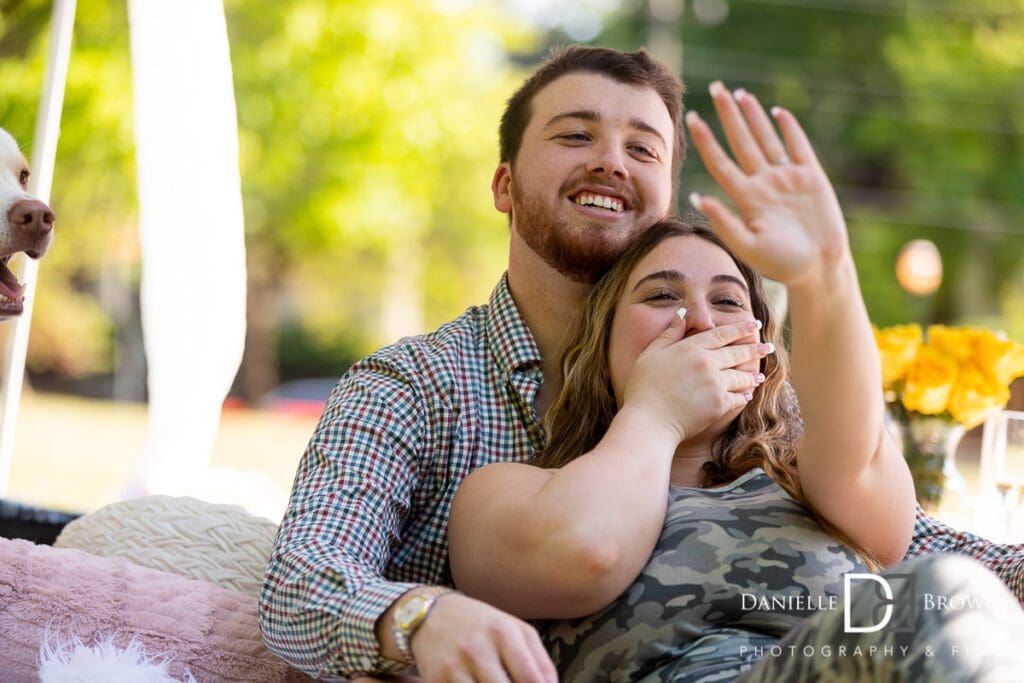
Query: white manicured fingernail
x=681, y=312
x=695, y=200
x=776, y=110
x=739, y=94
x=692, y=117
x=715, y=87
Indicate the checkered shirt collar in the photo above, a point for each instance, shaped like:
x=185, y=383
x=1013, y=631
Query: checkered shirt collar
x=508, y=338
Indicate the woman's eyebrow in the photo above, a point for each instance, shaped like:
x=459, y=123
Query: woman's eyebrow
x=678, y=276
x=673, y=275
x=733, y=279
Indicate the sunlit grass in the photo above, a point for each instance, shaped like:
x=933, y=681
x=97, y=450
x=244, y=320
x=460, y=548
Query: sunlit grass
x=76, y=454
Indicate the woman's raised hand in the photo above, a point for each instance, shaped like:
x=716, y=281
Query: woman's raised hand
x=790, y=226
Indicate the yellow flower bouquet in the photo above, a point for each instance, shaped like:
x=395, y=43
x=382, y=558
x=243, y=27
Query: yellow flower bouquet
x=940, y=384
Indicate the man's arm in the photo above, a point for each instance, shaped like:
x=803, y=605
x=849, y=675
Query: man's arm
x=325, y=590
x=1006, y=560
x=325, y=607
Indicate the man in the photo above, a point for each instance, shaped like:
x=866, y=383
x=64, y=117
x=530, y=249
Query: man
x=590, y=148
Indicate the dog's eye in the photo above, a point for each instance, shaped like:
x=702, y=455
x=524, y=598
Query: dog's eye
x=23, y=177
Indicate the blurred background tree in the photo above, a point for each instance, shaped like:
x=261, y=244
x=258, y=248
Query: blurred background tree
x=368, y=138
x=915, y=109
x=83, y=324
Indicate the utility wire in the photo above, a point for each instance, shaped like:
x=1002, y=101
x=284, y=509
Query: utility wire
x=707, y=64
x=838, y=77
x=852, y=197
x=905, y=9
x=952, y=119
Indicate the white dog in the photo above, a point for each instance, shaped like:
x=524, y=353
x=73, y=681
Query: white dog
x=26, y=224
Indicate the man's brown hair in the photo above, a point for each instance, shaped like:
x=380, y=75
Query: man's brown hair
x=633, y=68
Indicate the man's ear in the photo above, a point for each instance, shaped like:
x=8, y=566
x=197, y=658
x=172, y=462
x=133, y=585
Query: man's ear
x=500, y=185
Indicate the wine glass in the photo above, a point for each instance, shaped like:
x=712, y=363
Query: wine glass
x=1002, y=474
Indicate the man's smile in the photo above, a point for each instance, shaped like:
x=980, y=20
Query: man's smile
x=600, y=201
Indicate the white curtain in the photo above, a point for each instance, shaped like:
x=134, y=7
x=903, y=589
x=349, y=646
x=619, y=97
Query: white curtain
x=191, y=232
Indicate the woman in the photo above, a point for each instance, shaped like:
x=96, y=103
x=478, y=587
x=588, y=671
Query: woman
x=669, y=390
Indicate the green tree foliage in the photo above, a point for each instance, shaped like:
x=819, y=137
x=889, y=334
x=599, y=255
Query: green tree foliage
x=368, y=135
x=914, y=109
x=93, y=193
x=963, y=78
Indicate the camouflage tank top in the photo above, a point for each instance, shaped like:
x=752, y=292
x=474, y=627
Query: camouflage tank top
x=735, y=568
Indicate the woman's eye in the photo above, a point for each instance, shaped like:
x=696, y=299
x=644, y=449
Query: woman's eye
x=639, y=149
x=662, y=296
x=735, y=303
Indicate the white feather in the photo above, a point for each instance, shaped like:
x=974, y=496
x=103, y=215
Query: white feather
x=71, y=661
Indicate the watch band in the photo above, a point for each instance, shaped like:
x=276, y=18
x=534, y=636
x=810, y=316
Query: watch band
x=410, y=613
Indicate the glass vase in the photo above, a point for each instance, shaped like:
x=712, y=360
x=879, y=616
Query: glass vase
x=929, y=445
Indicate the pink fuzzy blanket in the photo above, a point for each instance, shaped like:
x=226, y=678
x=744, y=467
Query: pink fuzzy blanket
x=211, y=631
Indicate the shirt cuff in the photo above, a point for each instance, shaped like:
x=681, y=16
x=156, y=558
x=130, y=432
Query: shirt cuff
x=358, y=645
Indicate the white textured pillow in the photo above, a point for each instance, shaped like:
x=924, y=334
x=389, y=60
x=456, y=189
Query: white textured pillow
x=222, y=544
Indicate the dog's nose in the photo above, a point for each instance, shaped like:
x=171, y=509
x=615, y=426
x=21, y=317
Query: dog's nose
x=32, y=217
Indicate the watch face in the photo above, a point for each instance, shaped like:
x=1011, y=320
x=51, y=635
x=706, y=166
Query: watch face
x=407, y=613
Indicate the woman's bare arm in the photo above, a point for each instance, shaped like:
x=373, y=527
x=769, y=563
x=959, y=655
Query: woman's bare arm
x=791, y=228
x=565, y=543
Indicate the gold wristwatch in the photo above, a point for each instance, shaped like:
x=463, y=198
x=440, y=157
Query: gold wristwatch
x=409, y=615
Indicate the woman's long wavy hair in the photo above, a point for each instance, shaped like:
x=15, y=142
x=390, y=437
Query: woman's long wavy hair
x=765, y=434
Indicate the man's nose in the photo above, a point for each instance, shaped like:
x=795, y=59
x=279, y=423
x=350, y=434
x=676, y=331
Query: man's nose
x=608, y=160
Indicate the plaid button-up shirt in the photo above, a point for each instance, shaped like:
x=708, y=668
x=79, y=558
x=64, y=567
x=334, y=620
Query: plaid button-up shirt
x=368, y=515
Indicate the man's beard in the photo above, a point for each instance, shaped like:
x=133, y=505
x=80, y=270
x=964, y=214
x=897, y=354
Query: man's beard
x=583, y=255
